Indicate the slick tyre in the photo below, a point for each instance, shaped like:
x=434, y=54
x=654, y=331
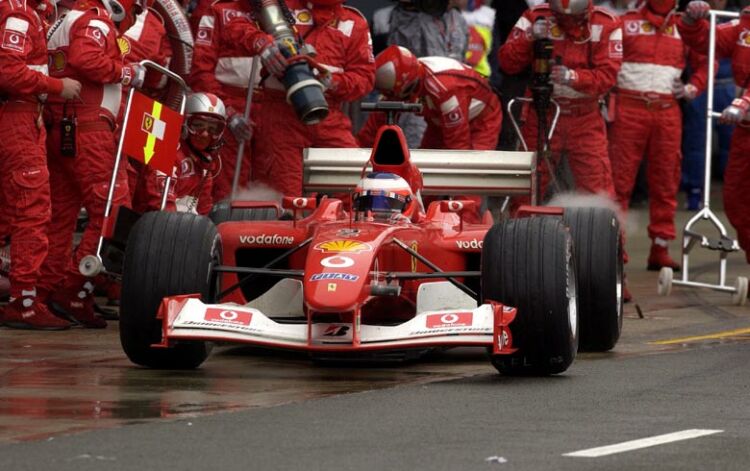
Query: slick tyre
x=597, y=249
x=223, y=212
x=167, y=254
x=528, y=263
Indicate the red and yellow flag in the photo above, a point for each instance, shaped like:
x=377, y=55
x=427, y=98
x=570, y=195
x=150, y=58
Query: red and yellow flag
x=152, y=133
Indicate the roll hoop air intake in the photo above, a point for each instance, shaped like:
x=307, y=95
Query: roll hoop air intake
x=303, y=91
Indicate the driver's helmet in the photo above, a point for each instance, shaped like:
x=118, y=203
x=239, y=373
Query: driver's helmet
x=382, y=195
x=206, y=120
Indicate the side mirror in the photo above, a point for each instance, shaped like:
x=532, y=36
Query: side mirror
x=296, y=203
x=458, y=206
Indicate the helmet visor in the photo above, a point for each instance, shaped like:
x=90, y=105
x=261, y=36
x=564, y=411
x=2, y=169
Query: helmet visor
x=380, y=202
x=210, y=125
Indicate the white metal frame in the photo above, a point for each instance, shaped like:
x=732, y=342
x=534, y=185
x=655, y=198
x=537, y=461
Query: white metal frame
x=690, y=238
x=92, y=265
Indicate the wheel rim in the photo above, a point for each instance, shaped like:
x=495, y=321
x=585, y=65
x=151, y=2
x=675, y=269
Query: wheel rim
x=572, y=292
x=620, y=280
x=214, y=278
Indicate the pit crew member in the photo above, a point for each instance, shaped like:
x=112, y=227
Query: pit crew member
x=648, y=119
x=341, y=37
x=145, y=39
x=81, y=146
x=588, y=52
x=24, y=179
x=197, y=159
x=460, y=107
x=222, y=67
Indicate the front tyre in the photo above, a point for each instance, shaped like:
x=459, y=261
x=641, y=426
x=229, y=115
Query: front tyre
x=167, y=254
x=528, y=264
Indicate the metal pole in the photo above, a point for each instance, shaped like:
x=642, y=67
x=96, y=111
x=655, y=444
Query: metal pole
x=709, y=110
x=248, y=105
x=113, y=180
x=168, y=182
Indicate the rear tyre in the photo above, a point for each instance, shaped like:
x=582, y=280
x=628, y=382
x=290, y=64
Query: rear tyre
x=167, y=254
x=528, y=264
x=223, y=212
x=597, y=248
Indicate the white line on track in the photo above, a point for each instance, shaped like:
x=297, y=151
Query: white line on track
x=642, y=443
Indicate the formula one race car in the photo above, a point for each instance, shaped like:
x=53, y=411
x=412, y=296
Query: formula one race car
x=374, y=272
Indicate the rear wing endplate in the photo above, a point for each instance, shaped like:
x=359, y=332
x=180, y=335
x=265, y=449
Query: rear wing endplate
x=445, y=172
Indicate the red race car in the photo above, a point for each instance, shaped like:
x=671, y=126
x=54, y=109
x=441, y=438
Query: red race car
x=372, y=271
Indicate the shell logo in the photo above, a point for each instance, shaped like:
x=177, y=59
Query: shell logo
x=646, y=27
x=124, y=45
x=304, y=16
x=58, y=60
x=555, y=32
x=346, y=246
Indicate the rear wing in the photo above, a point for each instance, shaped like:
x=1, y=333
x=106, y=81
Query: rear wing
x=445, y=172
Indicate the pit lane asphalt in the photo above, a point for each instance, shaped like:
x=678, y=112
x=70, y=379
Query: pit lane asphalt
x=416, y=416
x=530, y=422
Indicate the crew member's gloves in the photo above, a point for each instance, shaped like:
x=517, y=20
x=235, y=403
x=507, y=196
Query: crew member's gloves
x=540, y=29
x=240, y=127
x=681, y=90
x=562, y=75
x=133, y=75
x=736, y=112
x=326, y=80
x=695, y=11
x=273, y=59
x=71, y=88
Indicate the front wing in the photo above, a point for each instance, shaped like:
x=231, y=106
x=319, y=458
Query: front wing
x=187, y=318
